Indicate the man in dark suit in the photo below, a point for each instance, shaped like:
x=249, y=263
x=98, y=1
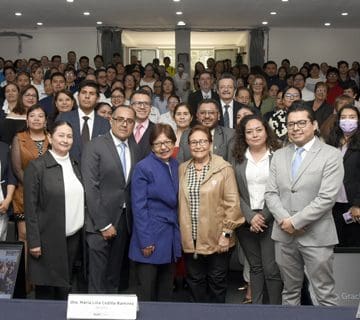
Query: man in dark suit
x=206, y=83
x=229, y=107
x=57, y=81
x=86, y=124
x=140, y=101
x=208, y=115
x=107, y=165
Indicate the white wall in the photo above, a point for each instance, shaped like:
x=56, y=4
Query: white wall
x=51, y=41
x=314, y=45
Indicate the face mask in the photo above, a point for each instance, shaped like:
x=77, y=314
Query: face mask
x=348, y=125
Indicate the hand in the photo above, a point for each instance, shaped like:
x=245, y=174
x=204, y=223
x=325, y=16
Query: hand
x=224, y=244
x=287, y=226
x=35, y=252
x=4, y=206
x=110, y=233
x=148, y=251
x=258, y=223
x=355, y=213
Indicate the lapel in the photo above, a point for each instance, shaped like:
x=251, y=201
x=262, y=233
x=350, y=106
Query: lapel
x=307, y=161
x=114, y=154
x=96, y=126
x=218, y=139
x=76, y=128
x=133, y=157
x=242, y=170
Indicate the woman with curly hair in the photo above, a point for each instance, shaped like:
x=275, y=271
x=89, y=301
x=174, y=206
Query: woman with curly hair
x=252, y=151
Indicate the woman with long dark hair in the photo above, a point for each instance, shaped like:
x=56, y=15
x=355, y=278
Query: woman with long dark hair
x=346, y=212
x=252, y=151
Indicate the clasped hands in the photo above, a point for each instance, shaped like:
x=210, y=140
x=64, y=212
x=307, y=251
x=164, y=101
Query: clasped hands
x=355, y=213
x=287, y=226
x=258, y=223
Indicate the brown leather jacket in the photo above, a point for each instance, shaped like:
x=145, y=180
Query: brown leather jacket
x=219, y=207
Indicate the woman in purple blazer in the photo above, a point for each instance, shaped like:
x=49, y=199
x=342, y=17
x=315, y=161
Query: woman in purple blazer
x=155, y=241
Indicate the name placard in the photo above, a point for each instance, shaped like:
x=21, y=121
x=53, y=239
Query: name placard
x=102, y=306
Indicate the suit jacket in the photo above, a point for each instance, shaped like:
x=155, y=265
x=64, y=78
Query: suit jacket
x=194, y=99
x=221, y=140
x=44, y=201
x=309, y=197
x=7, y=174
x=352, y=176
x=101, y=126
x=236, y=107
x=144, y=143
x=105, y=186
x=240, y=173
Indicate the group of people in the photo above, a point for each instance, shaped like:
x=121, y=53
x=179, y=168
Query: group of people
x=102, y=171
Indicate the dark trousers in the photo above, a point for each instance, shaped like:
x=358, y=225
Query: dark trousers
x=348, y=234
x=61, y=293
x=155, y=282
x=106, y=259
x=207, y=276
x=259, y=249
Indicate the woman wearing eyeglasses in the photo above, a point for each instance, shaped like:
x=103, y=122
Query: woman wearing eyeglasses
x=260, y=96
x=155, y=241
x=278, y=119
x=209, y=211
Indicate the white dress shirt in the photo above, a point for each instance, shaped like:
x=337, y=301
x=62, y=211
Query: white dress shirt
x=230, y=111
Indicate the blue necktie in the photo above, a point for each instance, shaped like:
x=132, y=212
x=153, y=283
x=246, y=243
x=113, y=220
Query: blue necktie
x=122, y=154
x=296, y=162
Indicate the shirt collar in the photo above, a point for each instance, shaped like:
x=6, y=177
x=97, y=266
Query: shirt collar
x=307, y=146
x=116, y=140
x=230, y=104
x=91, y=115
x=249, y=156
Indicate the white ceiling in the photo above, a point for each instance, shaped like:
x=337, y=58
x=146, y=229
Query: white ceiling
x=196, y=13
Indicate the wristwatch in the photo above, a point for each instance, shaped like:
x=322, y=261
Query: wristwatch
x=227, y=234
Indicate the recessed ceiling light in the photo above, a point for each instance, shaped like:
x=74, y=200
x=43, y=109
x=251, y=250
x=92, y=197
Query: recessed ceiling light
x=179, y=13
x=273, y=13
x=69, y=0
x=264, y=22
x=181, y=23
x=344, y=14
x=18, y=14
x=86, y=13
x=39, y=23
x=176, y=0
x=284, y=0
x=327, y=24
x=99, y=22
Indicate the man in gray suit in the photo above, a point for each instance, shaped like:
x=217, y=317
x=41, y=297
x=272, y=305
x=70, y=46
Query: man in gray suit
x=208, y=115
x=305, y=178
x=107, y=165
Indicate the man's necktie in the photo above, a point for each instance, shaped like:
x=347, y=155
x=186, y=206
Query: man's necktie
x=296, y=162
x=226, y=117
x=137, y=135
x=85, y=132
x=122, y=153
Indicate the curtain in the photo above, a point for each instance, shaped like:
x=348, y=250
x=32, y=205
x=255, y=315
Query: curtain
x=110, y=43
x=257, y=51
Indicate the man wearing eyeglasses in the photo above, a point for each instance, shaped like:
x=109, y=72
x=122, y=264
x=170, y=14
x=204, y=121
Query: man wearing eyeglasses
x=208, y=115
x=140, y=101
x=305, y=178
x=107, y=165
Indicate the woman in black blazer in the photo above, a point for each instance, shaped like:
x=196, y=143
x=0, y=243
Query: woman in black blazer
x=54, y=215
x=253, y=145
x=346, y=137
x=8, y=183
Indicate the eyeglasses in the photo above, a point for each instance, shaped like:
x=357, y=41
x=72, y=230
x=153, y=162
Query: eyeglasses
x=117, y=97
x=207, y=113
x=29, y=95
x=257, y=83
x=300, y=124
x=298, y=79
x=140, y=103
x=123, y=121
x=291, y=95
x=201, y=143
x=167, y=143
